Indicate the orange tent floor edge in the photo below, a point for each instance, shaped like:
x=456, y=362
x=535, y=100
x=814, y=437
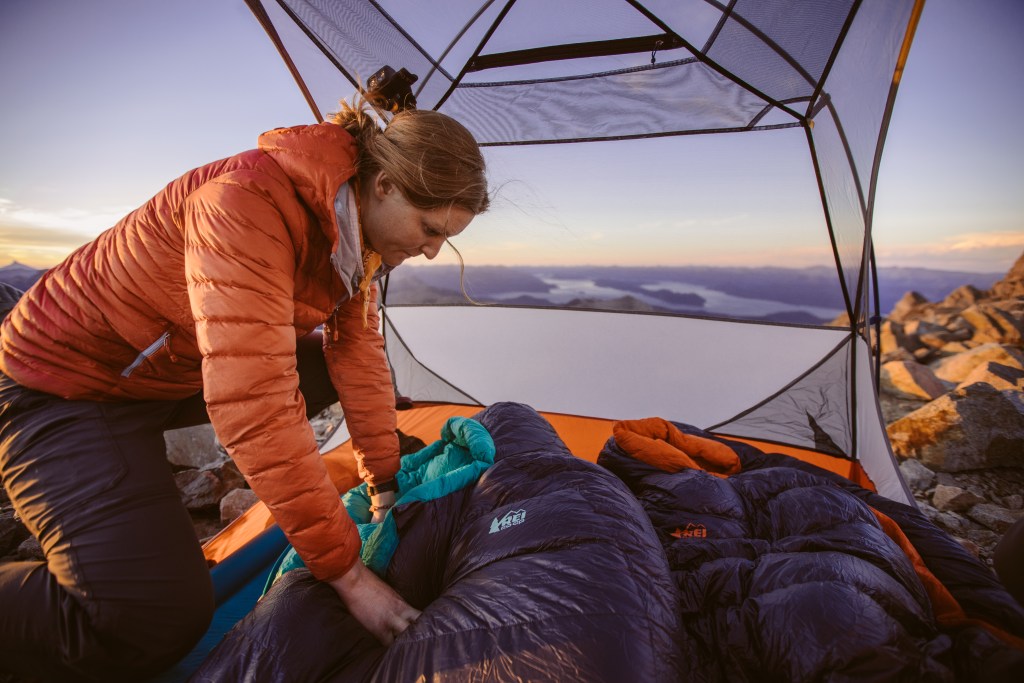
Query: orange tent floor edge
x=423, y=422
x=584, y=436
x=850, y=469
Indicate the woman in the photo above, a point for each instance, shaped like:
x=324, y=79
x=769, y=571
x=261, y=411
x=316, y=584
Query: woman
x=207, y=287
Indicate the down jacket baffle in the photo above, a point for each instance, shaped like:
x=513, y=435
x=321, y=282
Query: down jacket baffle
x=207, y=286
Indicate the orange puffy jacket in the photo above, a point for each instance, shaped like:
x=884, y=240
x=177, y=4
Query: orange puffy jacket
x=207, y=286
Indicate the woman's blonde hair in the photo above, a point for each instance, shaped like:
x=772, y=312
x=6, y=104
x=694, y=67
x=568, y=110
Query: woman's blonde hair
x=430, y=157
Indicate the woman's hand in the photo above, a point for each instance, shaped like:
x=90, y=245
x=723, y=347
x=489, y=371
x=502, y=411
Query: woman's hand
x=373, y=603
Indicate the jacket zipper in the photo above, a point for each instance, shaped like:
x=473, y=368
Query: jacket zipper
x=164, y=340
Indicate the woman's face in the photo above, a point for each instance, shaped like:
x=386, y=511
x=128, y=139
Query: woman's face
x=397, y=230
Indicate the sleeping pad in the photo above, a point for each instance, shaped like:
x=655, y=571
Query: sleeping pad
x=543, y=569
x=787, y=572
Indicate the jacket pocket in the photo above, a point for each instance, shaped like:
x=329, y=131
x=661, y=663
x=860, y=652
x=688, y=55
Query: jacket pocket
x=147, y=352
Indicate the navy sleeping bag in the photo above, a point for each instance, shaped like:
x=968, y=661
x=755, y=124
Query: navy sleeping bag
x=546, y=569
x=785, y=574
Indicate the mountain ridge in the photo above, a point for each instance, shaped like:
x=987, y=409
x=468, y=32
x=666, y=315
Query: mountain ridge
x=815, y=286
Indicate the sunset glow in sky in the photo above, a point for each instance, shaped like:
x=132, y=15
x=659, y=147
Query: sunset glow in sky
x=107, y=101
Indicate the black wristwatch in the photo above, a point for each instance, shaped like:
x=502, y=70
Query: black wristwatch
x=389, y=485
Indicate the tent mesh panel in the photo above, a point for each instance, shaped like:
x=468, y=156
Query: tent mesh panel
x=675, y=97
x=812, y=412
x=412, y=378
x=781, y=48
x=847, y=131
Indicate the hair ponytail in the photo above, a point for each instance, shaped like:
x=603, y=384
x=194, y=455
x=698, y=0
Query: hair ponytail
x=430, y=157
x=361, y=119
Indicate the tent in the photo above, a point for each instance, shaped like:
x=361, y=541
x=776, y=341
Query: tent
x=528, y=75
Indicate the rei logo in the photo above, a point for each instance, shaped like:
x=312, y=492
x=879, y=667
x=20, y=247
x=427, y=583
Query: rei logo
x=511, y=518
x=691, y=531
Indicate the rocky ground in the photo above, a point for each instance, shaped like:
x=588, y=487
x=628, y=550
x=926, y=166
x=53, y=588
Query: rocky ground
x=952, y=394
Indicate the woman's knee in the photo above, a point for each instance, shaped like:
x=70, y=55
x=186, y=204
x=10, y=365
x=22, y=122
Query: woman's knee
x=69, y=632
x=151, y=634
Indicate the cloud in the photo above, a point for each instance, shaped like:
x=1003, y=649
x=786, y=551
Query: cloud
x=985, y=240
x=37, y=247
x=15, y=236
x=983, y=252
x=87, y=222
x=42, y=238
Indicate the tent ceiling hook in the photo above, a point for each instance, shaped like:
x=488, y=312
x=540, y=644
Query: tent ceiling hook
x=657, y=46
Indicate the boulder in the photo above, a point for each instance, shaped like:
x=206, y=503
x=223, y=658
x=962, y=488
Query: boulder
x=949, y=318
x=954, y=498
x=894, y=408
x=934, y=336
x=908, y=306
x=955, y=347
x=910, y=380
x=949, y=521
x=1011, y=286
x=956, y=368
x=971, y=428
x=236, y=502
x=230, y=476
x=985, y=538
x=896, y=355
x=998, y=375
x=199, y=488
x=993, y=324
x=194, y=447
x=892, y=337
x=917, y=476
x=202, y=489
x=963, y=296
x=993, y=517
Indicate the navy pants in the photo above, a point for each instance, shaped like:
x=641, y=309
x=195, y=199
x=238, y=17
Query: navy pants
x=124, y=591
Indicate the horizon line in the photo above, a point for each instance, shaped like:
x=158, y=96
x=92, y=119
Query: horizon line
x=468, y=266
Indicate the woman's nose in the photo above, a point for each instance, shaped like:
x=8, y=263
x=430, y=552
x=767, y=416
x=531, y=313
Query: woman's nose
x=432, y=249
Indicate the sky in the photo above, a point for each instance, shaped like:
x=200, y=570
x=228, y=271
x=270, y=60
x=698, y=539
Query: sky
x=104, y=102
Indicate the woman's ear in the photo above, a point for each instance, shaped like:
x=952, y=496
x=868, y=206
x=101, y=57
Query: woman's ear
x=382, y=185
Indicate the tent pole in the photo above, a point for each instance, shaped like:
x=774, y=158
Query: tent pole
x=261, y=16
x=483, y=41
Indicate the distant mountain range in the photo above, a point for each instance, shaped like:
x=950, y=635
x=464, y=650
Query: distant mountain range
x=801, y=295
x=19, y=275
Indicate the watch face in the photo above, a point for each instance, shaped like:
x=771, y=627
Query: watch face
x=391, y=485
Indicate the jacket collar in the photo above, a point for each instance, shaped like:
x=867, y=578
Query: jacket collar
x=347, y=257
x=318, y=159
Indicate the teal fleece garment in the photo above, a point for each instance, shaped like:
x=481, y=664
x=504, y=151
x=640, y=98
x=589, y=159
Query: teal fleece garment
x=453, y=462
